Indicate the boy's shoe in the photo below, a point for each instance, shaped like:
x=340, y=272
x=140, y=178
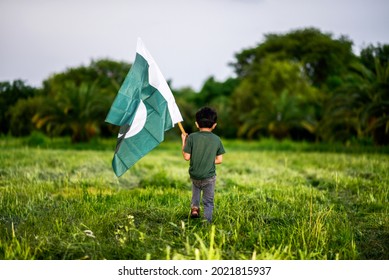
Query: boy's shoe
x=195, y=212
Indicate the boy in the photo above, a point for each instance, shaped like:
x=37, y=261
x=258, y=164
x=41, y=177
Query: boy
x=204, y=149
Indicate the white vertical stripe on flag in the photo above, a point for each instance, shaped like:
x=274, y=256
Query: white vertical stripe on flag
x=157, y=80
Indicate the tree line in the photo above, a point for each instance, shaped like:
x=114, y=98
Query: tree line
x=301, y=85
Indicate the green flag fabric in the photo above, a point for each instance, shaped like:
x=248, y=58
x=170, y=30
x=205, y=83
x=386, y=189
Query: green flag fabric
x=144, y=108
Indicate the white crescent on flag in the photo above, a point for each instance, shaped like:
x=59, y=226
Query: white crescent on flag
x=138, y=122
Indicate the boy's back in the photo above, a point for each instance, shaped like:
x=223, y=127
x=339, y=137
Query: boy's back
x=203, y=146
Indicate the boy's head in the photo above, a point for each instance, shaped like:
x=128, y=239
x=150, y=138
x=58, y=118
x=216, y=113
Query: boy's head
x=206, y=117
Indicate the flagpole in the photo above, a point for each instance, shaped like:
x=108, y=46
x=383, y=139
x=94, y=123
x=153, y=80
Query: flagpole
x=181, y=128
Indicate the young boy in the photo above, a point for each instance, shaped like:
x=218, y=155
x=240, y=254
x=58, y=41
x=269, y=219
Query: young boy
x=204, y=149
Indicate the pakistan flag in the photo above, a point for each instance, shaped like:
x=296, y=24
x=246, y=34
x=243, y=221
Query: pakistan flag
x=144, y=108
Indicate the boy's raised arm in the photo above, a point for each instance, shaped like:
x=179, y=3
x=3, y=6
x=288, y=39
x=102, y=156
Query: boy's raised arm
x=184, y=137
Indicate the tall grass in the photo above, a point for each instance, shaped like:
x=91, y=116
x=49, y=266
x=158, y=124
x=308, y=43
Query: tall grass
x=286, y=203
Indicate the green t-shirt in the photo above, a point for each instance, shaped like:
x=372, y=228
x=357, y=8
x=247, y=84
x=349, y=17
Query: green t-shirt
x=203, y=147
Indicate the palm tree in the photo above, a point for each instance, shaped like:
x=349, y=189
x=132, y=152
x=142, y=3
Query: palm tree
x=360, y=107
x=377, y=112
x=75, y=109
x=277, y=117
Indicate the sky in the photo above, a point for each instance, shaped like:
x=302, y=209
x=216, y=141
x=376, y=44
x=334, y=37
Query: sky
x=191, y=40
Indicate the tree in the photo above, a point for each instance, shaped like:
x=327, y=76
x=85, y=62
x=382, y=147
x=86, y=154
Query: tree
x=107, y=75
x=277, y=100
x=323, y=58
x=104, y=76
x=360, y=106
x=78, y=110
x=10, y=93
x=370, y=55
x=22, y=113
x=376, y=59
x=218, y=95
x=184, y=98
x=377, y=112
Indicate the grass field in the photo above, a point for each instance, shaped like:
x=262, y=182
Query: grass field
x=273, y=201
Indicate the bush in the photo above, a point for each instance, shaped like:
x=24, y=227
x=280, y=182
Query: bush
x=37, y=139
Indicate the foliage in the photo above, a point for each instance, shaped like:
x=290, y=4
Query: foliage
x=76, y=109
x=342, y=98
x=105, y=74
x=215, y=94
x=10, y=94
x=273, y=201
x=322, y=57
x=22, y=113
x=184, y=99
x=285, y=83
x=360, y=106
x=370, y=54
x=300, y=85
x=219, y=96
x=277, y=101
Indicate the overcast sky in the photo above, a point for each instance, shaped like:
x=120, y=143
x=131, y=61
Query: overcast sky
x=190, y=40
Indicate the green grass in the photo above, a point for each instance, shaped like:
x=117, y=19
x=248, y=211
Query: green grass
x=273, y=201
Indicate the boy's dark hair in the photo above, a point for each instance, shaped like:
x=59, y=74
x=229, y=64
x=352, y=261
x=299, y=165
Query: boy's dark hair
x=206, y=117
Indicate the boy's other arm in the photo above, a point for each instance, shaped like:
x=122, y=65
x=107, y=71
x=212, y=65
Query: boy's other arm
x=219, y=159
x=185, y=155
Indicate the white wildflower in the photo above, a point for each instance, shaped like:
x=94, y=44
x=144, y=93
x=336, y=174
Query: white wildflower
x=89, y=233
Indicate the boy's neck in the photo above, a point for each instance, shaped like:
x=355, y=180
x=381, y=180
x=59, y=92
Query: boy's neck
x=206, y=129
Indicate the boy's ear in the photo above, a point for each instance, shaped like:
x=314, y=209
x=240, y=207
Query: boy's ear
x=197, y=125
x=214, y=125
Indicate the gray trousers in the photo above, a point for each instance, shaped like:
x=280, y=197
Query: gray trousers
x=207, y=186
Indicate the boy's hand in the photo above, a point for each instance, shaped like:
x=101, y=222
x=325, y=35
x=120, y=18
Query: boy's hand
x=183, y=137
